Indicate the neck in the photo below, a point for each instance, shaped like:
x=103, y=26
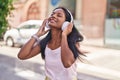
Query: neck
x=56, y=36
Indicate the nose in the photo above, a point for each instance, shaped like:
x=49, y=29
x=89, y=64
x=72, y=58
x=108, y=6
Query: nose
x=54, y=15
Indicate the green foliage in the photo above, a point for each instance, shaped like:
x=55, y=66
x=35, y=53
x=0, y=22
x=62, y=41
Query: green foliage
x=5, y=7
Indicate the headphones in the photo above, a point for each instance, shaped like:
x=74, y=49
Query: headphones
x=65, y=24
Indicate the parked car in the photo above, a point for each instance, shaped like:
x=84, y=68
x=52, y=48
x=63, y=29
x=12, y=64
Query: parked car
x=22, y=33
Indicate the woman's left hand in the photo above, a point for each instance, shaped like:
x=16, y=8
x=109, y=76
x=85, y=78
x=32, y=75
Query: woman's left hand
x=68, y=29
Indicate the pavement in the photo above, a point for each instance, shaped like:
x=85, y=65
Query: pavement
x=101, y=63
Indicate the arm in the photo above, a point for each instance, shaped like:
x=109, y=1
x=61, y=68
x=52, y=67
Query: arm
x=66, y=54
x=30, y=49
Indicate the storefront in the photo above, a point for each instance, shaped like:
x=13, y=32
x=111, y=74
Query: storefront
x=112, y=24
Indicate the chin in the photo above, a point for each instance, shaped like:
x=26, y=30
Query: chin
x=52, y=25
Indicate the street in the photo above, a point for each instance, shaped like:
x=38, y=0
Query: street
x=11, y=68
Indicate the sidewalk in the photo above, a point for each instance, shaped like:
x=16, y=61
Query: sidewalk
x=101, y=61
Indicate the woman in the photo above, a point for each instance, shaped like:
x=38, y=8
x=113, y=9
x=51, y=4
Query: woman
x=60, y=48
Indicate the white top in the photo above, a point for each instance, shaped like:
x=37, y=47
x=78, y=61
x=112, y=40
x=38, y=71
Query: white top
x=54, y=68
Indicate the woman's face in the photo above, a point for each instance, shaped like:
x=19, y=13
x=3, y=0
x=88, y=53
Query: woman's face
x=57, y=18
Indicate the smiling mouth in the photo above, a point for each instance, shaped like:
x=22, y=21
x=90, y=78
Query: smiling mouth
x=52, y=21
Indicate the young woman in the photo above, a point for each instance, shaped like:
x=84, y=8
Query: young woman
x=60, y=48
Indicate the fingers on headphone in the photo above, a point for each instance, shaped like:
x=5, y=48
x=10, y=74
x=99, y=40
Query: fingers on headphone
x=70, y=26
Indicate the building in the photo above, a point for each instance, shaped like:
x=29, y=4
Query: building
x=26, y=10
x=89, y=15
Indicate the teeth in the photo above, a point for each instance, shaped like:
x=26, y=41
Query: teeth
x=52, y=20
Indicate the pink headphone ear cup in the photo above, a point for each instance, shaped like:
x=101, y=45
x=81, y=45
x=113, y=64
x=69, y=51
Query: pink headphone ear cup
x=65, y=24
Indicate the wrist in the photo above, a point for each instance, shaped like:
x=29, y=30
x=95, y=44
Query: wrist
x=36, y=38
x=38, y=35
x=64, y=35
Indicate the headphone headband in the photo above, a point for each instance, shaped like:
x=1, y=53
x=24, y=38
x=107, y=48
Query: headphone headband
x=70, y=15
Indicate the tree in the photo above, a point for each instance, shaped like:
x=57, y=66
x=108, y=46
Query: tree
x=5, y=8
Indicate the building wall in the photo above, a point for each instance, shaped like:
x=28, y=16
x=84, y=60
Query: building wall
x=41, y=5
x=78, y=15
x=89, y=14
x=93, y=14
x=29, y=9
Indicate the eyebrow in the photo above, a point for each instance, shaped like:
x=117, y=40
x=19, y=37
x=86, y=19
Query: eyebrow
x=57, y=13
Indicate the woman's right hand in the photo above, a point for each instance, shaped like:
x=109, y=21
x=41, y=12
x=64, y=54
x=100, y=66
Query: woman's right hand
x=42, y=30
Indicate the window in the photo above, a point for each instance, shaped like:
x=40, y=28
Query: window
x=113, y=9
x=30, y=27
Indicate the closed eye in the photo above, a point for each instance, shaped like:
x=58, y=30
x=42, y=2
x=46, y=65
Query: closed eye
x=58, y=14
